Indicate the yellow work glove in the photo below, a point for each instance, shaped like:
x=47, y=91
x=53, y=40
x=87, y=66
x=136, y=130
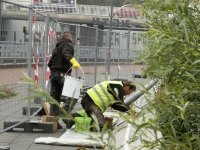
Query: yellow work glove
x=75, y=63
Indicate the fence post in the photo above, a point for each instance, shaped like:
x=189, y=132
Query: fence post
x=107, y=57
x=53, y=43
x=96, y=47
x=77, y=46
x=118, y=61
x=128, y=42
x=134, y=64
x=109, y=40
x=0, y=19
x=45, y=50
x=29, y=55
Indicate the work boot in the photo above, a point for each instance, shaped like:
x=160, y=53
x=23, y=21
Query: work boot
x=69, y=123
x=59, y=126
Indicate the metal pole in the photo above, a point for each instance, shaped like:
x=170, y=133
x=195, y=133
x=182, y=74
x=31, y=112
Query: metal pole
x=0, y=19
x=128, y=42
x=55, y=30
x=109, y=44
x=52, y=41
x=77, y=46
x=45, y=51
x=96, y=48
x=29, y=56
x=139, y=93
x=118, y=60
x=134, y=64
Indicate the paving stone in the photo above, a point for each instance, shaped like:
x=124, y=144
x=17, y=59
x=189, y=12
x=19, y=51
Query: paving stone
x=4, y=144
x=41, y=147
x=17, y=147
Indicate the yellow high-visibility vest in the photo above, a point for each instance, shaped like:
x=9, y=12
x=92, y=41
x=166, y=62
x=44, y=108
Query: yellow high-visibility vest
x=100, y=95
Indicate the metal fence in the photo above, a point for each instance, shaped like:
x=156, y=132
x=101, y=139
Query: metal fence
x=27, y=42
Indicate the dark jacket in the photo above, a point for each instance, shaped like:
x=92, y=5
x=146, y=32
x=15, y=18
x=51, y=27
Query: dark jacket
x=61, y=55
x=119, y=95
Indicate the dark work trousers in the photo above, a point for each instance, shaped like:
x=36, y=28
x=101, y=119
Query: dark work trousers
x=57, y=82
x=69, y=103
x=90, y=108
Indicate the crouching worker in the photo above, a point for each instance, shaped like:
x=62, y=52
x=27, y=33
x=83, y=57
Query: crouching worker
x=102, y=96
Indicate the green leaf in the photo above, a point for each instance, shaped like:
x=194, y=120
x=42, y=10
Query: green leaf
x=191, y=76
x=196, y=62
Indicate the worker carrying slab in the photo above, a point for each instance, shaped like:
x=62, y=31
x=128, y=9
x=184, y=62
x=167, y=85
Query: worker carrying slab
x=102, y=96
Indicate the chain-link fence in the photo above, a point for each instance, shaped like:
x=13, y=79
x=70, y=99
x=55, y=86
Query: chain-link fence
x=26, y=43
x=15, y=50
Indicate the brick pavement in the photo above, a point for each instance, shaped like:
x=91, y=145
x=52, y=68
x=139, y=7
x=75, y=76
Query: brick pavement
x=19, y=140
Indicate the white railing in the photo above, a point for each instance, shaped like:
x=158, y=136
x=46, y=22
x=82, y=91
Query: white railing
x=51, y=7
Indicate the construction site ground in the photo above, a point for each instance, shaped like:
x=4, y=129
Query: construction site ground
x=20, y=140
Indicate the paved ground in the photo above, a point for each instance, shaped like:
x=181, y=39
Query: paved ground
x=19, y=140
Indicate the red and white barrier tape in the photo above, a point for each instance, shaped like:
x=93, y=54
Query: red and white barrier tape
x=51, y=32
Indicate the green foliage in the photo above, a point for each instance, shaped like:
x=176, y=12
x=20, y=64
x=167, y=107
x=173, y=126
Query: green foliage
x=172, y=54
x=6, y=92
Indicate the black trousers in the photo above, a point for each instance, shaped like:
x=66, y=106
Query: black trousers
x=57, y=82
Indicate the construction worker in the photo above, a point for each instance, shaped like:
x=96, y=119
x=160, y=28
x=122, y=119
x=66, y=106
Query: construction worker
x=60, y=63
x=102, y=96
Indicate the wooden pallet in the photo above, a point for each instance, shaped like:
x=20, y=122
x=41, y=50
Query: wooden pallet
x=51, y=119
x=47, y=127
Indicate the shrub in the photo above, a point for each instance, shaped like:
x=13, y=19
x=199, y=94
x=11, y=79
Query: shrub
x=172, y=55
x=6, y=92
